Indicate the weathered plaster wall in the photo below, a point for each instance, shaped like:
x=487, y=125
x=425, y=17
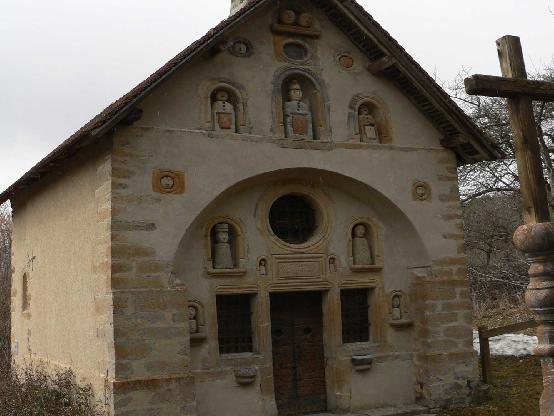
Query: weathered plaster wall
x=219, y=168
x=61, y=241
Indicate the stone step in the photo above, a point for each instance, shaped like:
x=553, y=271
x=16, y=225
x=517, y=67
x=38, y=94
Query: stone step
x=412, y=410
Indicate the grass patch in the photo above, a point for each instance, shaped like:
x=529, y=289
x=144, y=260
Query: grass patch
x=516, y=389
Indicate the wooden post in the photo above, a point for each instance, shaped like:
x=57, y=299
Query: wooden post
x=526, y=142
x=536, y=237
x=485, y=355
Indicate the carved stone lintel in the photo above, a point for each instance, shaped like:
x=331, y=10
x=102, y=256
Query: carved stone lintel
x=537, y=242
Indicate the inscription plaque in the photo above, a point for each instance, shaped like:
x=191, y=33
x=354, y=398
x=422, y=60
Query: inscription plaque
x=300, y=267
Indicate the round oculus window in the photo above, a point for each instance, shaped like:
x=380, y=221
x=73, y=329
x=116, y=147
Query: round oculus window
x=295, y=51
x=292, y=219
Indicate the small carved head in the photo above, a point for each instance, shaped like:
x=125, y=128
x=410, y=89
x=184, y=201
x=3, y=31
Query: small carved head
x=222, y=95
x=263, y=263
x=360, y=231
x=305, y=20
x=396, y=301
x=364, y=111
x=287, y=17
x=295, y=90
x=192, y=312
x=222, y=233
x=167, y=182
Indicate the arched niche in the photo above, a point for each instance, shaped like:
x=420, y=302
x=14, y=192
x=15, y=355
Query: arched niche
x=368, y=232
x=236, y=241
x=399, y=309
x=369, y=120
x=236, y=97
x=314, y=99
x=197, y=320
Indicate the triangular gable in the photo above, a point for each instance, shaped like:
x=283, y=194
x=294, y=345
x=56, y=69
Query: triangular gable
x=388, y=59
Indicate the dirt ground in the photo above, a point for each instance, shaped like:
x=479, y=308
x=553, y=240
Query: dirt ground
x=515, y=390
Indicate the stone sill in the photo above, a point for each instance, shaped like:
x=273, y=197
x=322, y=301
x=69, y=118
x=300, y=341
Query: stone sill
x=402, y=323
x=366, y=268
x=226, y=272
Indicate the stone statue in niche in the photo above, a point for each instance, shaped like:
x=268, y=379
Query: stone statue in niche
x=396, y=308
x=367, y=125
x=361, y=250
x=332, y=265
x=223, y=112
x=223, y=259
x=193, y=320
x=298, y=118
x=263, y=267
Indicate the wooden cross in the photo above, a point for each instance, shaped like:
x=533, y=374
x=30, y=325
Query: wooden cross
x=536, y=237
x=520, y=92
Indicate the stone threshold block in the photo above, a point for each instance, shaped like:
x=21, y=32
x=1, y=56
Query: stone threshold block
x=411, y=410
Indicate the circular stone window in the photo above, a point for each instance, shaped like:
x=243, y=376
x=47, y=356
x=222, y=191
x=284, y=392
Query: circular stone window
x=295, y=51
x=293, y=219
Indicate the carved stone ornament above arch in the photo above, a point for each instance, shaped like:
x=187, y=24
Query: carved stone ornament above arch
x=369, y=119
x=237, y=97
x=237, y=242
x=315, y=99
x=373, y=236
x=291, y=19
x=323, y=217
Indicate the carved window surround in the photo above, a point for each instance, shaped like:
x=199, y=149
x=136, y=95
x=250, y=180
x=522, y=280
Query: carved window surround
x=240, y=247
x=320, y=203
x=376, y=241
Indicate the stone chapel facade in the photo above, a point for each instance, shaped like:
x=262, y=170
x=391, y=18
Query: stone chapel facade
x=268, y=225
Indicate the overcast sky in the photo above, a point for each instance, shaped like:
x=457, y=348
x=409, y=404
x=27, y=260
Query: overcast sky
x=63, y=61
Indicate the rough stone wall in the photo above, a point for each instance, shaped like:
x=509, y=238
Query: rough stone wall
x=150, y=317
x=61, y=241
x=445, y=361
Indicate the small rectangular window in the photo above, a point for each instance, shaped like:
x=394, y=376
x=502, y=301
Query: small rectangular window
x=234, y=323
x=355, y=315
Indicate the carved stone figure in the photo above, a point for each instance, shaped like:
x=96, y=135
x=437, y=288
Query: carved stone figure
x=367, y=125
x=193, y=320
x=287, y=17
x=223, y=112
x=332, y=265
x=298, y=118
x=223, y=258
x=361, y=251
x=396, y=308
x=263, y=267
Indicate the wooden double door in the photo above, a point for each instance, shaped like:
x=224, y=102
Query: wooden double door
x=298, y=354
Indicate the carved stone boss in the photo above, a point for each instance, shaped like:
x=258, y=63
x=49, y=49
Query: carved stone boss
x=536, y=237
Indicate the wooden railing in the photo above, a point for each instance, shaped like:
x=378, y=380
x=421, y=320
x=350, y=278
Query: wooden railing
x=484, y=346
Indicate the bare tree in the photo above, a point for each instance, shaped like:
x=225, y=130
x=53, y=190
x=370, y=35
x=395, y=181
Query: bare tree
x=5, y=282
x=491, y=114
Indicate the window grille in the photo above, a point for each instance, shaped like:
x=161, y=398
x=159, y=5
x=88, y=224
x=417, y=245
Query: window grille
x=234, y=323
x=292, y=219
x=355, y=315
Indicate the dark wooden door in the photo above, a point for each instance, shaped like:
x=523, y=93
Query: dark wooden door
x=298, y=357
